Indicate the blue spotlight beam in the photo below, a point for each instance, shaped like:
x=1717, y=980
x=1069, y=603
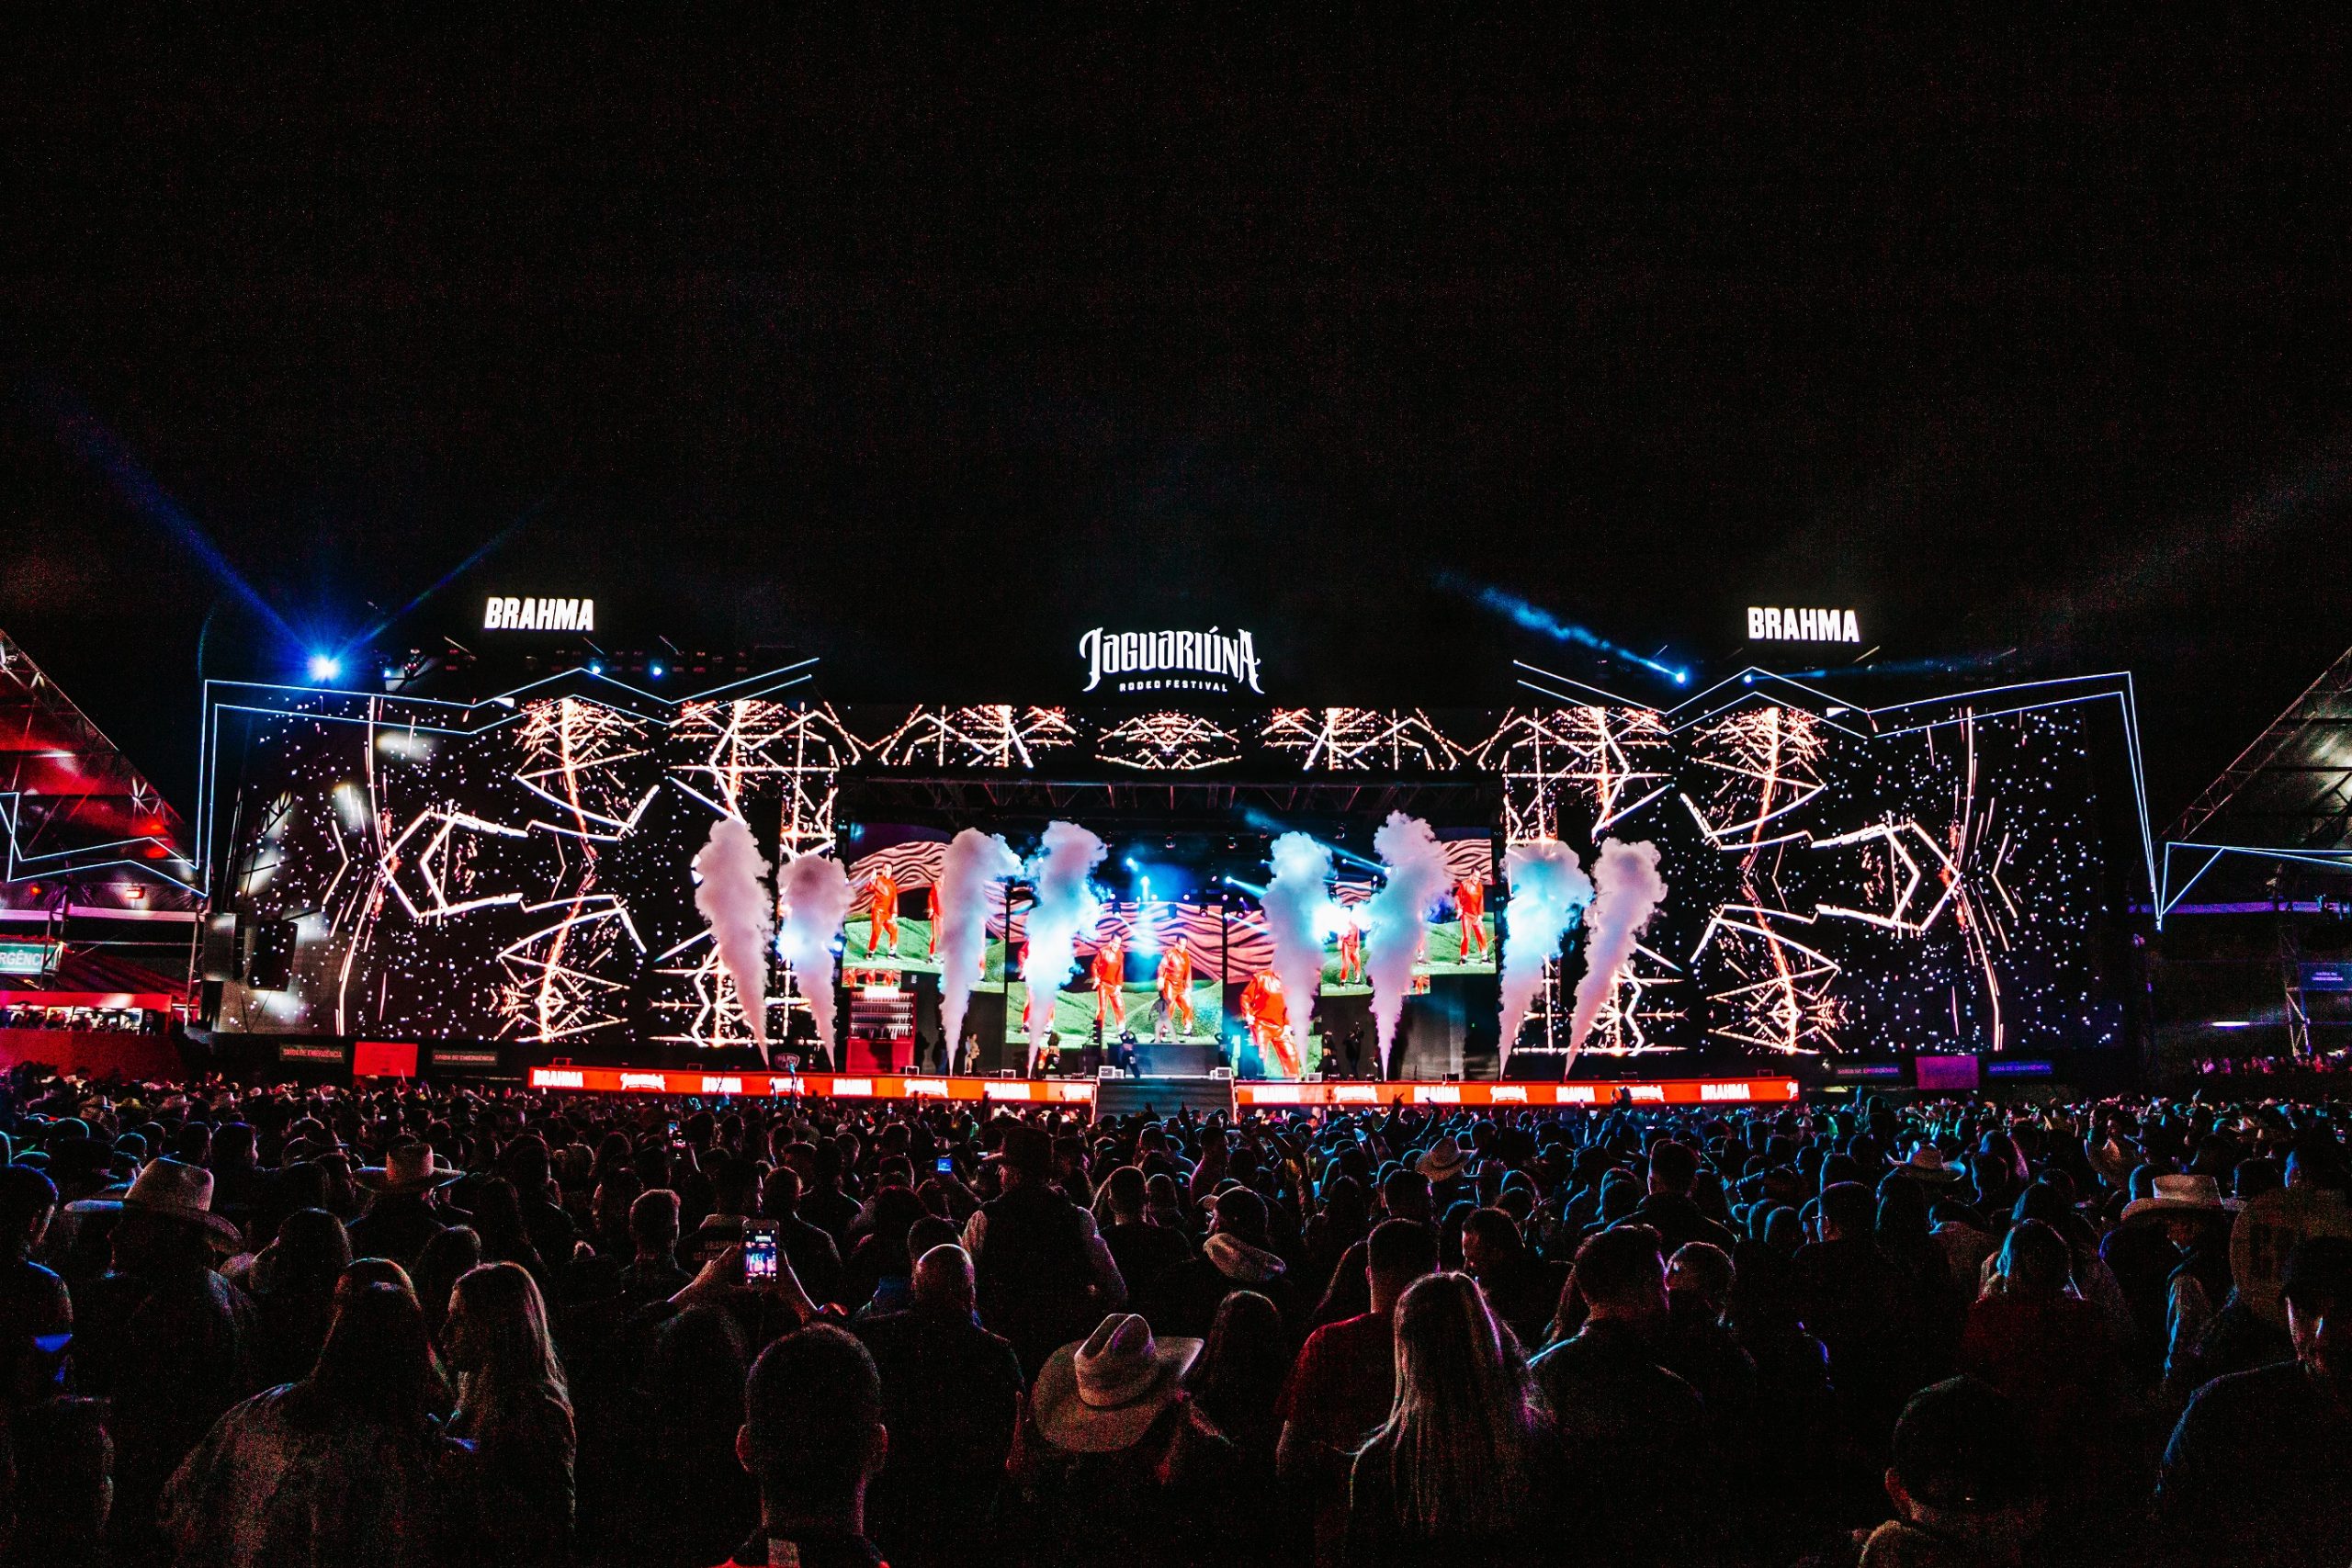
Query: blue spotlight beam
x=90, y=440
x=1536, y=619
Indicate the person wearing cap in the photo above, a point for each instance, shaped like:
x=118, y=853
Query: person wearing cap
x=1116, y=1464
x=1668, y=1206
x=1234, y=1256
x=36, y=1311
x=2258, y=1471
x=403, y=1213
x=162, y=1334
x=1963, y=1484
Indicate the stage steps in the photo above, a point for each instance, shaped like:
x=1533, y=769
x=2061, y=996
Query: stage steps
x=1166, y=1096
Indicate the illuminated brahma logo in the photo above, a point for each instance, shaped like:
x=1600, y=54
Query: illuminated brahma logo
x=1172, y=661
x=1772, y=624
x=510, y=615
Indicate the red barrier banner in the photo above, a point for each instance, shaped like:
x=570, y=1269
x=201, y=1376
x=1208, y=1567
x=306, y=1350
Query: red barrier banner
x=1338, y=1095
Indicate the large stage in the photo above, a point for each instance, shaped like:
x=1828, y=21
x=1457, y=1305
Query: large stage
x=510, y=873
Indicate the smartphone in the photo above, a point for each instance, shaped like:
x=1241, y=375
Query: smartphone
x=759, y=1253
x=946, y=1165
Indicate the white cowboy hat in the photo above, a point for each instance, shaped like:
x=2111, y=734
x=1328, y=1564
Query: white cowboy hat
x=412, y=1168
x=2183, y=1195
x=1927, y=1163
x=1443, y=1158
x=175, y=1191
x=1100, y=1396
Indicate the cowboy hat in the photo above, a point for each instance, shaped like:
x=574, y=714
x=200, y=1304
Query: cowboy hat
x=1927, y=1163
x=172, y=1191
x=1441, y=1159
x=2183, y=1195
x=412, y=1168
x=1102, y=1395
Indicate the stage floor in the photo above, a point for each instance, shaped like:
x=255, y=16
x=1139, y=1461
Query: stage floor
x=1340, y=1094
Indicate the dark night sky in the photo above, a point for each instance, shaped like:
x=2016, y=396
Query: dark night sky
x=926, y=348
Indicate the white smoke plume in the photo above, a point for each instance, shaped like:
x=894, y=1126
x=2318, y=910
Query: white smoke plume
x=814, y=891
x=1627, y=891
x=1066, y=909
x=1299, y=914
x=733, y=900
x=1396, y=917
x=1548, y=892
x=976, y=864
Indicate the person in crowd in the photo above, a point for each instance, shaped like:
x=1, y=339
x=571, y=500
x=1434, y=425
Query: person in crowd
x=1669, y=1208
x=292, y=1283
x=36, y=1309
x=403, y=1213
x=527, y=1164
x=1860, y=1306
x=1698, y=1345
x=1114, y=1463
x=951, y=1396
x=512, y=1488
x=337, y=1468
x=816, y=1259
x=814, y=1438
x=1237, y=1383
x=1523, y=1290
x=693, y=1500
x=652, y=1273
x=1459, y=1471
x=2257, y=1472
x=1630, y=1430
x=1344, y=1382
x=162, y=1335
x=1141, y=1247
x=1042, y=1268
x=2053, y=1355
x=1236, y=1255
x=1965, y=1486
x=452, y=1253
x=878, y=1276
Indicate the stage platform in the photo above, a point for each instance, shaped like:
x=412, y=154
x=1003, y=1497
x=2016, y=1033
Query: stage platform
x=1121, y=1096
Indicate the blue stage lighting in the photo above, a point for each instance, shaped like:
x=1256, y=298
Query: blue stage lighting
x=654, y=671
x=326, y=667
x=1682, y=677
x=595, y=669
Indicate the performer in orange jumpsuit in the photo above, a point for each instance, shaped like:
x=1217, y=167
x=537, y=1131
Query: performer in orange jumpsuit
x=1470, y=906
x=930, y=941
x=1266, y=1015
x=1110, y=975
x=1176, y=987
x=1351, y=955
x=881, y=912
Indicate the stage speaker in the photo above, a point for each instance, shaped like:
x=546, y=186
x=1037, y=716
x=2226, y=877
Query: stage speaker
x=271, y=967
x=223, y=948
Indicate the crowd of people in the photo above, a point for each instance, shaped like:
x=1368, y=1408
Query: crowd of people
x=264, y=1326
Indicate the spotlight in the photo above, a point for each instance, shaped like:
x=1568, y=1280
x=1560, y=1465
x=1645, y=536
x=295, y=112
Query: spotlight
x=326, y=667
x=654, y=671
x=1682, y=677
x=595, y=668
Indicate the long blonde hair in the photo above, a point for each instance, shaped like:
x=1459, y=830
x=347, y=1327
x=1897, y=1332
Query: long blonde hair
x=498, y=1315
x=1463, y=1434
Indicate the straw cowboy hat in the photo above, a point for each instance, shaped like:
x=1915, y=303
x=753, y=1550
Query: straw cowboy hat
x=1443, y=1158
x=412, y=1168
x=2183, y=1195
x=1102, y=1395
x=171, y=1190
x=1927, y=1163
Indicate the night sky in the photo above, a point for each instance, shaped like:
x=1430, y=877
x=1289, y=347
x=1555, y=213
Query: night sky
x=926, y=348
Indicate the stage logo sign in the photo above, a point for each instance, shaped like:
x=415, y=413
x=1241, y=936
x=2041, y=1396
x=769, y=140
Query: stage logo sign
x=1771, y=623
x=538, y=615
x=1212, y=660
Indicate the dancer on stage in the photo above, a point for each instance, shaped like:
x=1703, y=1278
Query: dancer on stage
x=931, y=942
x=1175, y=991
x=1266, y=1015
x=1110, y=975
x=881, y=911
x=1351, y=955
x=1470, y=906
